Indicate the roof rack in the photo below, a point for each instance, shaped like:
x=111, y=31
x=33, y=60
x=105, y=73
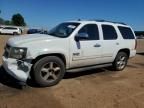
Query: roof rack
x=110, y=22
x=101, y=20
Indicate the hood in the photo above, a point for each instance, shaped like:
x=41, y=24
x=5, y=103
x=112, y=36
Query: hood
x=16, y=41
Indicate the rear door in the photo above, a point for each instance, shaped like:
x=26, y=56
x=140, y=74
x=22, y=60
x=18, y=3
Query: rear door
x=110, y=43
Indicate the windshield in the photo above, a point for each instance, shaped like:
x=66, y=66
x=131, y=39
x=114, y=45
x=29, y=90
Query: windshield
x=63, y=30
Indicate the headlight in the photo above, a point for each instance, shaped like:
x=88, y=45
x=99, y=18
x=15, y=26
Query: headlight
x=18, y=53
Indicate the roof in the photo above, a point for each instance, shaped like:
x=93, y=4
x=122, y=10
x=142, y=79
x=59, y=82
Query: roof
x=99, y=21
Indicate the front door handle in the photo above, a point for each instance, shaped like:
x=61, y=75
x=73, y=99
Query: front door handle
x=97, y=45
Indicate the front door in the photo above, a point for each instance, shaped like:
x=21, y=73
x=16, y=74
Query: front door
x=87, y=51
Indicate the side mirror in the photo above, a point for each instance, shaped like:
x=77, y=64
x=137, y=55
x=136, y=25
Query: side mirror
x=81, y=36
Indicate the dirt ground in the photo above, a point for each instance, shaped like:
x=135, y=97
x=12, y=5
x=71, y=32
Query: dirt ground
x=98, y=88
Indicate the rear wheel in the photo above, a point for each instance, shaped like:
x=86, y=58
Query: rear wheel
x=120, y=61
x=15, y=33
x=49, y=71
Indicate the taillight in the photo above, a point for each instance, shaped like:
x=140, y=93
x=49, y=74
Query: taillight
x=135, y=43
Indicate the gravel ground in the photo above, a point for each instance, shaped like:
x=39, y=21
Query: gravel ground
x=98, y=88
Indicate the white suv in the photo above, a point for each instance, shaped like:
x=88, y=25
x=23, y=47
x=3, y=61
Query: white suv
x=10, y=30
x=70, y=46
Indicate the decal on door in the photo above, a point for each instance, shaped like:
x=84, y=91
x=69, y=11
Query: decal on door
x=76, y=54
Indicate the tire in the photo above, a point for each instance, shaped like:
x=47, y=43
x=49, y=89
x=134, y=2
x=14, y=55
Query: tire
x=120, y=61
x=48, y=71
x=15, y=33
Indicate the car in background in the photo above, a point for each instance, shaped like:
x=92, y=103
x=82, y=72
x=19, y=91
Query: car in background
x=10, y=30
x=140, y=37
x=139, y=34
x=1, y=27
x=33, y=31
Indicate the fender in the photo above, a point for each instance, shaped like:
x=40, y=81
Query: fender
x=52, y=52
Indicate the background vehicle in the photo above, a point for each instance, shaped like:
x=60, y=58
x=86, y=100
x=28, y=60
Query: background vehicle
x=70, y=46
x=33, y=31
x=139, y=34
x=11, y=30
x=140, y=37
x=44, y=32
x=1, y=27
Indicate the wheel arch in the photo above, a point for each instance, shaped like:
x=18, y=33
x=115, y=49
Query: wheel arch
x=126, y=50
x=61, y=56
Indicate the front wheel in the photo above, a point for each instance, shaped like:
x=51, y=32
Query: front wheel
x=120, y=61
x=48, y=71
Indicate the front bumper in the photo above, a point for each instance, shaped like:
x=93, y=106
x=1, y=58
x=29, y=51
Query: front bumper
x=18, y=69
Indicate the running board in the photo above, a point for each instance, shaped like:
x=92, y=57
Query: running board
x=88, y=68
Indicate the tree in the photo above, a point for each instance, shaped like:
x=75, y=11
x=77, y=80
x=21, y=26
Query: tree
x=7, y=22
x=18, y=20
x=2, y=21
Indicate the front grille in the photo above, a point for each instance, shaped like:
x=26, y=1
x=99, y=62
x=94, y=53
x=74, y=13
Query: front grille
x=7, y=51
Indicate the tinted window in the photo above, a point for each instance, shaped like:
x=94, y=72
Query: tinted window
x=10, y=28
x=91, y=30
x=109, y=32
x=126, y=33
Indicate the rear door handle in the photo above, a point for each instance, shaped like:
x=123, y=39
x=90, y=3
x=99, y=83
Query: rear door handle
x=97, y=45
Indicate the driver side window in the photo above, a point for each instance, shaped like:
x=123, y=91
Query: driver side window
x=91, y=30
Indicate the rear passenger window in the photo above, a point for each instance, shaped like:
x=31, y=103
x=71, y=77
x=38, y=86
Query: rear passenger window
x=109, y=32
x=91, y=30
x=126, y=32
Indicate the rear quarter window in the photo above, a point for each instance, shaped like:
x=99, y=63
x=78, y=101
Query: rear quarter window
x=126, y=32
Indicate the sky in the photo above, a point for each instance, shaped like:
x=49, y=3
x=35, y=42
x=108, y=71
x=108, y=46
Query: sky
x=48, y=13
